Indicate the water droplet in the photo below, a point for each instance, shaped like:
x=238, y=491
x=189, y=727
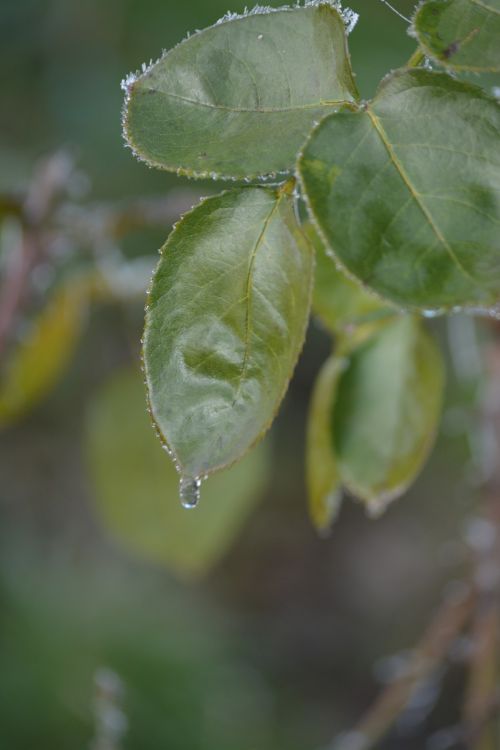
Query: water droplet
x=433, y=313
x=189, y=491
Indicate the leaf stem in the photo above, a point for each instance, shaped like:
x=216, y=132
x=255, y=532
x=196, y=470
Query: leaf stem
x=416, y=59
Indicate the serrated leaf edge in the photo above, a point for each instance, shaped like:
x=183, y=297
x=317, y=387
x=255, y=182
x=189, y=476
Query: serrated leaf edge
x=131, y=79
x=280, y=193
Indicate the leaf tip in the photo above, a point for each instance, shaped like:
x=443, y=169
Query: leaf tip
x=324, y=517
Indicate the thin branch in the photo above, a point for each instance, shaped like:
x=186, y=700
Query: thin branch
x=483, y=676
x=467, y=735
x=395, y=10
x=429, y=654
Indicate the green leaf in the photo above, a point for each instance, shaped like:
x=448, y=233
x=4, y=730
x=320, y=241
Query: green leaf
x=406, y=191
x=323, y=476
x=387, y=408
x=340, y=303
x=41, y=357
x=136, y=486
x=228, y=309
x=460, y=34
x=238, y=99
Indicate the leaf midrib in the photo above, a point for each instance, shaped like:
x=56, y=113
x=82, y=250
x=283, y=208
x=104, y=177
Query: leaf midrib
x=248, y=295
x=417, y=198
x=267, y=110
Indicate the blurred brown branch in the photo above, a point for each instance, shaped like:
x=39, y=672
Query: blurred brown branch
x=46, y=212
x=480, y=603
x=448, y=622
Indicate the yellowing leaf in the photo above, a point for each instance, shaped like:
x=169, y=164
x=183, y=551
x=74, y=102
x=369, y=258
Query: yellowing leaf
x=323, y=475
x=38, y=361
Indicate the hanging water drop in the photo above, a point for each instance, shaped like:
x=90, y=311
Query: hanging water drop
x=189, y=491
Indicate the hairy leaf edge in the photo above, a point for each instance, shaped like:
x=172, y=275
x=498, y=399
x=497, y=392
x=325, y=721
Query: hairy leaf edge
x=377, y=503
x=415, y=34
x=131, y=79
x=280, y=193
x=472, y=306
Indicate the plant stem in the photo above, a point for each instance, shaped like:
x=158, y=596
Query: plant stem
x=482, y=680
x=432, y=650
x=416, y=59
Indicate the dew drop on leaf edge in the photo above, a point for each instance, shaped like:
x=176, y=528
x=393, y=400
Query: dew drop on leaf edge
x=189, y=491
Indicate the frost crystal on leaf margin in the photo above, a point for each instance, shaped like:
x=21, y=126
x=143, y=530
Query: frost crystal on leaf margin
x=349, y=17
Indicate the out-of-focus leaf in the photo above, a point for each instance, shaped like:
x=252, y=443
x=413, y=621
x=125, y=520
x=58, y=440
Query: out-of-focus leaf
x=406, y=191
x=38, y=361
x=386, y=411
x=137, y=487
x=323, y=476
x=339, y=302
x=227, y=313
x=238, y=99
x=460, y=34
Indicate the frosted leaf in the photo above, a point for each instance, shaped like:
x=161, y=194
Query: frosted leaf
x=128, y=81
x=267, y=159
x=349, y=16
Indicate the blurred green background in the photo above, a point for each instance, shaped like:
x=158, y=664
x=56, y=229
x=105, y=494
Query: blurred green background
x=120, y=616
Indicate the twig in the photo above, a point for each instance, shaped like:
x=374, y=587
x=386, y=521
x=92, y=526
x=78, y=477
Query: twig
x=432, y=650
x=482, y=678
x=395, y=10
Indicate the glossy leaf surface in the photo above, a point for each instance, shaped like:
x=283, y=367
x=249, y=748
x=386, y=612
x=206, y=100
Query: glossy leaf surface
x=407, y=191
x=323, y=476
x=228, y=309
x=386, y=411
x=238, y=99
x=136, y=486
x=460, y=34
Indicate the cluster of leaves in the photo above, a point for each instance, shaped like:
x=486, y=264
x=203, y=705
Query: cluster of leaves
x=402, y=200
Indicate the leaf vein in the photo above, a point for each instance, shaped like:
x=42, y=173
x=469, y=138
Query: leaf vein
x=415, y=194
x=265, y=110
